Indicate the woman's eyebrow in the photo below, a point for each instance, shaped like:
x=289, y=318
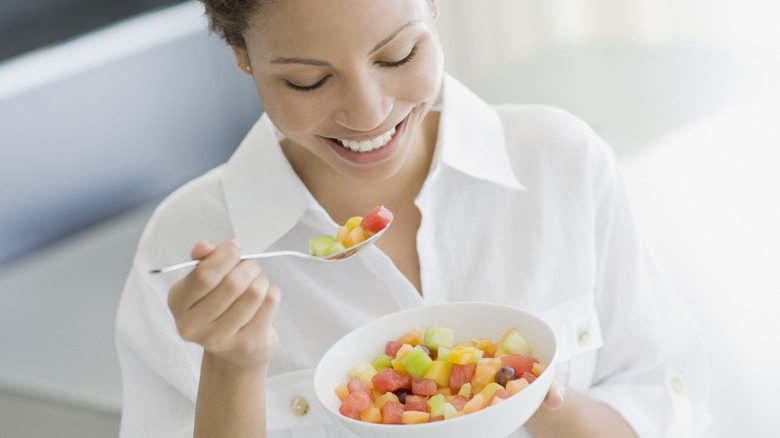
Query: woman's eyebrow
x=319, y=63
x=392, y=36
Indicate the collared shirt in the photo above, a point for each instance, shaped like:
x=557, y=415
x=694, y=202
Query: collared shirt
x=523, y=205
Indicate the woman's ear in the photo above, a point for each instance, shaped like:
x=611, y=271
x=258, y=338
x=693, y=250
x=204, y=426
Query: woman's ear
x=242, y=59
x=434, y=7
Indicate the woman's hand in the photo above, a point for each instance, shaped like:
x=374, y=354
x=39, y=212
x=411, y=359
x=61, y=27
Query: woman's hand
x=226, y=305
x=565, y=412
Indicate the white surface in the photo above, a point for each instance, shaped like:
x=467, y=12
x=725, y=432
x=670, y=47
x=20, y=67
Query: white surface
x=709, y=197
x=468, y=320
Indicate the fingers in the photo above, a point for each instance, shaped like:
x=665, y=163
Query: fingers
x=554, y=397
x=202, y=249
x=206, y=276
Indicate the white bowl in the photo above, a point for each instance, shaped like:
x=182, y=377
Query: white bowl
x=468, y=320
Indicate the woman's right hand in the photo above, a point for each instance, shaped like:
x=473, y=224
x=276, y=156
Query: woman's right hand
x=226, y=305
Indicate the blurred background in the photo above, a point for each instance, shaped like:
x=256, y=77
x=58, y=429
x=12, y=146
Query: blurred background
x=107, y=106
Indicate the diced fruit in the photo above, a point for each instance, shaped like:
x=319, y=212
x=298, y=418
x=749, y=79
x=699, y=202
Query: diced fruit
x=516, y=386
x=424, y=386
x=520, y=362
x=391, y=348
x=424, y=377
x=392, y=412
x=377, y=220
x=415, y=417
x=439, y=371
x=371, y=414
x=342, y=392
x=416, y=362
x=353, y=222
x=323, y=246
x=354, y=237
x=514, y=342
x=382, y=361
x=355, y=403
x=390, y=379
x=436, y=405
x=365, y=371
x=460, y=374
x=412, y=337
x=436, y=337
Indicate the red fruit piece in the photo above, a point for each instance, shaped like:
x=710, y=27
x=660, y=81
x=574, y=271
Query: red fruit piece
x=377, y=220
x=389, y=380
x=392, y=412
x=392, y=347
x=356, y=384
x=529, y=376
x=520, y=362
x=460, y=375
x=424, y=386
x=354, y=403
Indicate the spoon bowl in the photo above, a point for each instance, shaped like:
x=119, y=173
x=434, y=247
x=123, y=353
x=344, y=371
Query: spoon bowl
x=335, y=257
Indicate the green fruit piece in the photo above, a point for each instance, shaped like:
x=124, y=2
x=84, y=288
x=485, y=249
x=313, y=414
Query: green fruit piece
x=382, y=361
x=436, y=404
x=323, y=246
x=515, y=343
x=436, y=337
x=416, y=362
x=449, y=411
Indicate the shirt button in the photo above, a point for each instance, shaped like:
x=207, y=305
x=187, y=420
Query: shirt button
x=583, y=336
x=676, y=384
x=299, y=406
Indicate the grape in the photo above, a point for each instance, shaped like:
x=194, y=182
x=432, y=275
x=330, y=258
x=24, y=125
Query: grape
x=402, y=393
x=505, y=374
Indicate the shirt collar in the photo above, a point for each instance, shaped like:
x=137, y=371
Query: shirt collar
x=471, y=137
x=265, y=198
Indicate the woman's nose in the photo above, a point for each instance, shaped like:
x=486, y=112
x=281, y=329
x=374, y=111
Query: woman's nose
x=363, y=106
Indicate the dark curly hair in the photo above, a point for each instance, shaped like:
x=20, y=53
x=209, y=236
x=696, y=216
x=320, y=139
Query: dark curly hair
x=230, y=18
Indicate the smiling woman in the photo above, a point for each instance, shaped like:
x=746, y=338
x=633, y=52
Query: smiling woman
x=489, y=203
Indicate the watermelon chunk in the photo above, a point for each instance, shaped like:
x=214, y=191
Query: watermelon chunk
x=424, y=386
x=392, y=412
x=377, y=220
x=461, y=374
x=354, y=403
x=390, y=380
x=520, y=362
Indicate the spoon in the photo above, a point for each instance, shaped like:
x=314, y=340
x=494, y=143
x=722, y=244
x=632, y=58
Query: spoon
x=335, y=257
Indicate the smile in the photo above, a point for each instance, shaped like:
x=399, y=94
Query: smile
x=368, y=145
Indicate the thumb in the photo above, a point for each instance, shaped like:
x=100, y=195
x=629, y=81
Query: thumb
x=554, y=398
x=202, y=248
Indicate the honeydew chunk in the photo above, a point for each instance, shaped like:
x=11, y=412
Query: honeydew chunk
x=436, y=405
x=323, y=246
x=416, y=362
x=465, y=390
x=514, y=343
x=436, y=337
x=382, y=361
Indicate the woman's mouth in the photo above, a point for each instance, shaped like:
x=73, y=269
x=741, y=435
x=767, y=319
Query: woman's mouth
x=368, y=145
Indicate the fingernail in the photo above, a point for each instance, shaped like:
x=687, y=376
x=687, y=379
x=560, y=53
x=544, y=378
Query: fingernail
x=235, y=243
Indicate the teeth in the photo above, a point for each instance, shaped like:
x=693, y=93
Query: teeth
x=369, y=145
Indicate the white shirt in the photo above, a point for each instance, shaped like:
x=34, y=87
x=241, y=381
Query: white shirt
x=524, y=205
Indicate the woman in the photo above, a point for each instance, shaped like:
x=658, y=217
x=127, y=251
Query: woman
x=520, y=205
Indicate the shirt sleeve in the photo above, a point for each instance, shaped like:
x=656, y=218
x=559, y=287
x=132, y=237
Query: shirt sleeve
x=652, y=367
x=158, y=371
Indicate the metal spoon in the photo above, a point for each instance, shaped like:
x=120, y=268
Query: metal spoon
x=335, y=257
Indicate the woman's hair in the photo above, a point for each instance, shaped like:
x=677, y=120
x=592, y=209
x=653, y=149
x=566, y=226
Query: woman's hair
x=230, y=18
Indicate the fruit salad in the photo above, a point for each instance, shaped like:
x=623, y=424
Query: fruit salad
x=424, y=377
x=354, y=231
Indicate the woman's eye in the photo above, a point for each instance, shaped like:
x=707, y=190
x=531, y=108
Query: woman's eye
x=401, y=62
x=311, y=87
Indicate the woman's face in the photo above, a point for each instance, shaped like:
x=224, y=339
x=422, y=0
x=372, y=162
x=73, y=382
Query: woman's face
x=349, y=81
